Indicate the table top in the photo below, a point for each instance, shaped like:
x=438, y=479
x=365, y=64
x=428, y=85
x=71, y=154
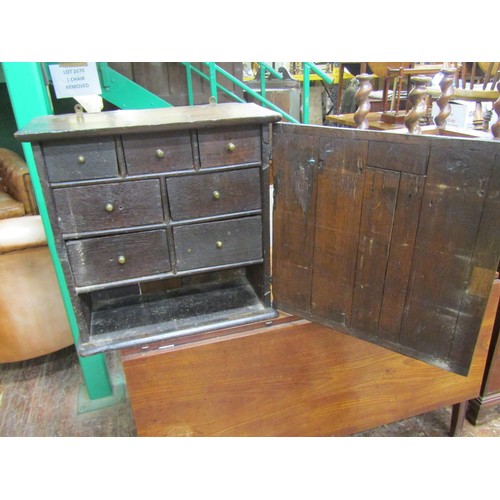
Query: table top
x=374, y=121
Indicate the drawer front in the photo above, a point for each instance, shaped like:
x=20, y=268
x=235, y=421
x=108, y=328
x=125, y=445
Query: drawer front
x=229, y=146
x=205, y=195
x=218, y=243
x=119, y=257
x=108, y=206
x=79, y=160
x=156, y=153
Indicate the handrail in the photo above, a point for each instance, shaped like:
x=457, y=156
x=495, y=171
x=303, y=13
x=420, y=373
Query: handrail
x=215, y=69
x=189, y=67
x=308, y=67
x=263, y=68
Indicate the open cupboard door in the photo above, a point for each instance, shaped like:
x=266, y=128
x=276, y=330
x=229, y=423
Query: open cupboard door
x=392, y=238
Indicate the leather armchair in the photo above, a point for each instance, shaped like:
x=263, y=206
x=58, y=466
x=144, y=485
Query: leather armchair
x=16, y=193
x=33, y=320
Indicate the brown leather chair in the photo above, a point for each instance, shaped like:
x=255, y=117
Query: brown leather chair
x=16, y=193
x=33, y=320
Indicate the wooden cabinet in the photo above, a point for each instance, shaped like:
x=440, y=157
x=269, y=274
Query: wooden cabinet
x=161, y=219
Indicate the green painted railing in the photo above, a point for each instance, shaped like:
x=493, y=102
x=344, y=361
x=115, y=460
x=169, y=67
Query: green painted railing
x=214, y=70
x=308, y=67
x=29, y=98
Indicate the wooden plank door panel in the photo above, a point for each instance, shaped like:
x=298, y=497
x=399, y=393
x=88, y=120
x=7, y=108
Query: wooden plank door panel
x=337, y=226
x=404, y=231
x=294, y=216
x=451, y=213
x=379, y=205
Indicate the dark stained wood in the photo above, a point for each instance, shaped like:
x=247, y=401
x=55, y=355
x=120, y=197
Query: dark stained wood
x=212, y=194
x=294, y=218
x=96, y=260
x=404, y=230
x=219, y=243
x=423, y=244
x=75, y=160
x=452, y=207
x=485, y=257
x=379, y=204
x=103, y=219
x=87, y=208
x=457, y=419
x=340, y=195
x=155, y=120
x=229, y=146
x=402, y=157
x=295, y=379
x=156, y=153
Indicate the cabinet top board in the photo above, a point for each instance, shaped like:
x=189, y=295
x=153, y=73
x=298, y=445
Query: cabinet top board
x=153, y=120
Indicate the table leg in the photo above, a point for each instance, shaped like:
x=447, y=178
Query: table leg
x=457, y=419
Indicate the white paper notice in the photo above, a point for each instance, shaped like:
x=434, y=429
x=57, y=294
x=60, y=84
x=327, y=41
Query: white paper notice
x=71, y=80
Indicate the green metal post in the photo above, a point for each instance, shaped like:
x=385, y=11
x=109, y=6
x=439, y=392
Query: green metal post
x=29, y=98
x=263, y=68
x=189, y=81
x=250, y=91
x=213, y=81
x=263, y=81
x=305, y=94
x=219, y=86
x=308, y=67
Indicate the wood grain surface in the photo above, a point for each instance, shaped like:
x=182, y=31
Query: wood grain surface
x=294, y=379
x=394, y=239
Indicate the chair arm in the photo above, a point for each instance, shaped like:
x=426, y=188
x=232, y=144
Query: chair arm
x=15, y=179
x=21, y=232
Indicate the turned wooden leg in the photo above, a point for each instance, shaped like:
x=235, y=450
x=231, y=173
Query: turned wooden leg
x=443, y=102
x=362, y=101
x=457, y=419
x=478, y=120
x=418, y=105
x=495, y=128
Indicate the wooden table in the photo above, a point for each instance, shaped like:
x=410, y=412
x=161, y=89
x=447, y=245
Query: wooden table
x=374, y=120
x=292, y=378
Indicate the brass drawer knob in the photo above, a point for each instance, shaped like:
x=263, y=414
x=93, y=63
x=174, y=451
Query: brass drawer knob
x=81, y=159
x=216, y=195
x=219, y=244
x=231, y=146
x=160, y=153
x=121, y=259
x=109, y=207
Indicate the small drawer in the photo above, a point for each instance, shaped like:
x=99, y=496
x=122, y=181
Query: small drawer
x=119, y=257
x=108, y=206
x=205, y=195
x=221, y=243
x=229, y=146
x=156, y=153
x=79, y=160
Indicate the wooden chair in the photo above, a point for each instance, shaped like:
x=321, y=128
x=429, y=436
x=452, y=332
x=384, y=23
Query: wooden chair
x=418, y=105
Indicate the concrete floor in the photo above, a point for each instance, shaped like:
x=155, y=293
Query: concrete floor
x=46, y=397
